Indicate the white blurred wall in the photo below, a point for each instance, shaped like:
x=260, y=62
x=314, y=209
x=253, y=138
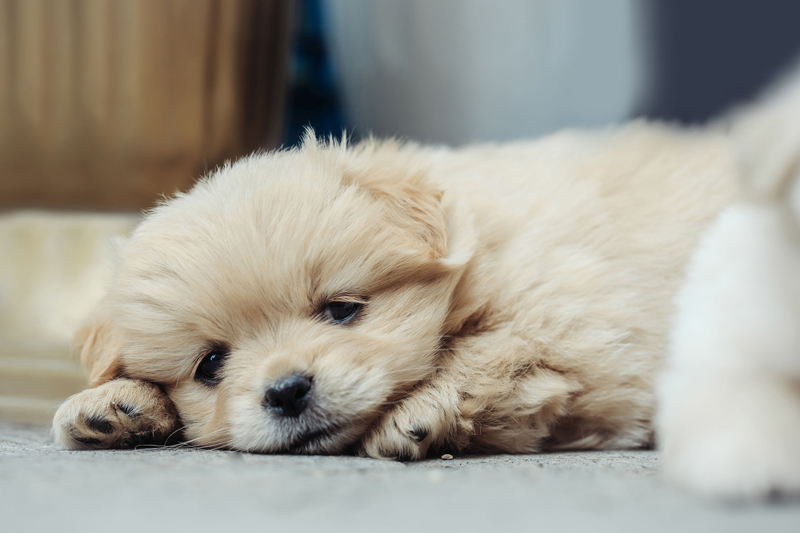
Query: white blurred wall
x=454, y=71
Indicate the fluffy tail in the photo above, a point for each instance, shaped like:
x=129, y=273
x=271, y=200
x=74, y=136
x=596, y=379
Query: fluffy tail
x=766, y=136
x=729, y=415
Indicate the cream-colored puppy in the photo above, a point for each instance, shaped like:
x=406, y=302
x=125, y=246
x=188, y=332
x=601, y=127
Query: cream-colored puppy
x=394, y=300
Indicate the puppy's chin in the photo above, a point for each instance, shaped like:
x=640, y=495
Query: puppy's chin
x=314, y=432
x=326, y=438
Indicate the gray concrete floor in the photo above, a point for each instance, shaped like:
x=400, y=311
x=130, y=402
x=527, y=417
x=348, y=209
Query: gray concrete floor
x=45, y=488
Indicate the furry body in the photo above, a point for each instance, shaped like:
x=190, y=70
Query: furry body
x=516, y=298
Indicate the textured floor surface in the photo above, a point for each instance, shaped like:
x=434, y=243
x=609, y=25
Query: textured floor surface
x=44, y=488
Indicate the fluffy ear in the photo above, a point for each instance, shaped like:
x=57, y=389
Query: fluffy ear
x=396, y=179
x=417, y=207
x=443, y=227
x=101, y=350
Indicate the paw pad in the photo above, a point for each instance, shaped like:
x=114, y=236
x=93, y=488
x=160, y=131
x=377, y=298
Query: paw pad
x=419, y=434
x=88, y=441
x=99, y=424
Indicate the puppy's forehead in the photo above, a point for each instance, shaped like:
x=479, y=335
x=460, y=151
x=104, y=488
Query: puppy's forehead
x=259, y=239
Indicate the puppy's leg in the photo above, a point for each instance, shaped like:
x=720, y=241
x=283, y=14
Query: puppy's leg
x=121, y=413
x=488, y=394
x=429, y=416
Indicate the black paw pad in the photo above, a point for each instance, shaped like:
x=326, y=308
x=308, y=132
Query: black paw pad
x=137, y=439
x=100, y=425
x=419, y=434
x=86, y=440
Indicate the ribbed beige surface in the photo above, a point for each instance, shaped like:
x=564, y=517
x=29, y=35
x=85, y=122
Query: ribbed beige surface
x=108, y=104
x=111, y=103
x=54, y=268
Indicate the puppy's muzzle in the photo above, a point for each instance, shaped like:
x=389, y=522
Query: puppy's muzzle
x=289, y=396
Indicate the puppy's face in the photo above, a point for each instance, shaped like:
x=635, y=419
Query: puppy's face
x=284, y=302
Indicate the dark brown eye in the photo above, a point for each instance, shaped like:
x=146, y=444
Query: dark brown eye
x=211, y=366
x=342, y=312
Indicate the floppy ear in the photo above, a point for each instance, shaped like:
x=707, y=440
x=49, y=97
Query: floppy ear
x=417, y=207
x=392, y=177
x=101, y=350
x=446, y=229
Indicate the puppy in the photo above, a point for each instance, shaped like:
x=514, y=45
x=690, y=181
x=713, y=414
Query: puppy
x=730, y=394
x=394, y=300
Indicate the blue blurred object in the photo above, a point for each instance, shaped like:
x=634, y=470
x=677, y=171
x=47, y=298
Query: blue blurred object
x=708, y=55
x=454, y=72
x=312, y=100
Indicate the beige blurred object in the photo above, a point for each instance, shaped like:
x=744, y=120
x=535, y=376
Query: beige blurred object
x=108, y=104
x=55, y=268
x=111, y=103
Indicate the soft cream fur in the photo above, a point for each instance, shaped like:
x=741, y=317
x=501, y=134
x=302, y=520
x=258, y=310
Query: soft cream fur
x=518, y=297
x=730, y=395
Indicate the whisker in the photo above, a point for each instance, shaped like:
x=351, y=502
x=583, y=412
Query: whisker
x=178, y=445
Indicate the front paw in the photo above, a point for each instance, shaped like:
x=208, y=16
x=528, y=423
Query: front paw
x=390, y=441
x=121, y=413
x=409, y=431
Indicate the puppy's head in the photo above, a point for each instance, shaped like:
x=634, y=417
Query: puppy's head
x=286, y=300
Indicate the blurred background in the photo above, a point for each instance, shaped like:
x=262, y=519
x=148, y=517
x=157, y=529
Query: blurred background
x=108, y=105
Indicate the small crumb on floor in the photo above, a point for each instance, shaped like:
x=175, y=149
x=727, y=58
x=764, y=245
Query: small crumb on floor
x=447, y=457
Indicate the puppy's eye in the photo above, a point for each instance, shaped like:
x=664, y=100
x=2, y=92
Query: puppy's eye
x=211, y=366
x=342, y=312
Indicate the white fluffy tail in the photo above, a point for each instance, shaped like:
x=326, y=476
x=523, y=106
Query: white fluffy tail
x=729, y=404
x=767, y=138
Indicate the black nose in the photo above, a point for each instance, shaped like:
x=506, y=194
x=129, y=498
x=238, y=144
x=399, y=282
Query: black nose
x=289, y=396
